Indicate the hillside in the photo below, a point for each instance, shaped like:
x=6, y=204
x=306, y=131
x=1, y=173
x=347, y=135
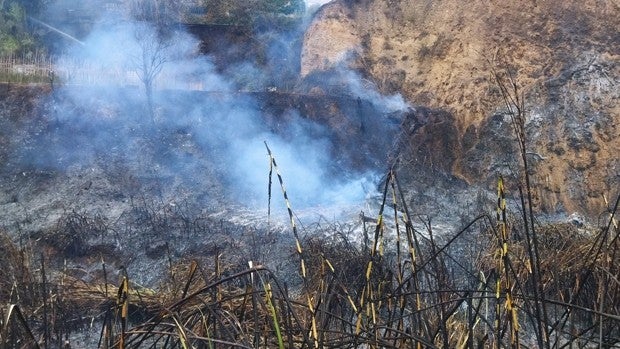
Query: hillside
x=141, y=203
x=441, y=54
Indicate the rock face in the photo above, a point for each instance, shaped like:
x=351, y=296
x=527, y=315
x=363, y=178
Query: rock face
x=441, y=55
x=332, y=38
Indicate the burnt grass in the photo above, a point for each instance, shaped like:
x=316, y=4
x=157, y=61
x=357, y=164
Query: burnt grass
x=139, y=194
x=110, y=246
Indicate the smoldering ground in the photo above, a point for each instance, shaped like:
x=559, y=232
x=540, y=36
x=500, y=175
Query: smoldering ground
x=201, y=134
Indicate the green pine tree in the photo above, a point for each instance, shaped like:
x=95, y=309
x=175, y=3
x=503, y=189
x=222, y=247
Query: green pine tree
x=250, y=12
x=15, y=35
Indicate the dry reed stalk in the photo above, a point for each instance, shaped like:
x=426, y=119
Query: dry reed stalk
x=122, y=304
x=8, y=330
x=401, y=301
x=300, y=252
x=505, y=265
x=413, y=246
x=514, y=102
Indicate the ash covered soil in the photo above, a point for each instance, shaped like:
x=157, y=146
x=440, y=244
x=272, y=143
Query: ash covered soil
x=95, y=179
x=89, y=176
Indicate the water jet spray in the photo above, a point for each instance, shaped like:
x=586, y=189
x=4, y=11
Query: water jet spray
x=66, y=35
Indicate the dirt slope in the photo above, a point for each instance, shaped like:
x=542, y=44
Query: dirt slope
x=439, y=54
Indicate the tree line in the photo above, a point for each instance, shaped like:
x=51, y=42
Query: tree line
x=16, y=35
x=20, y=36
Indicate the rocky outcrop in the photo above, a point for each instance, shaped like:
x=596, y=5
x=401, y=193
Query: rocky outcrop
x=563, y=56
x=331, y=39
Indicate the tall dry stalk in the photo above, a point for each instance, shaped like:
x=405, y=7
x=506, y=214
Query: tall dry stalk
x=299, y=249
x=514, y=102
x=504, y=263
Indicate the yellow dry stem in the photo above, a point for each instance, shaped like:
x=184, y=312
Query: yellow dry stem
x=329, y=264
x=358, y=325
x=351, y=302
x=303, y=268
x=298, y=245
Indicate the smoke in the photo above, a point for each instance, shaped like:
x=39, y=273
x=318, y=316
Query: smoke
x=316, y=3
x=203, y=130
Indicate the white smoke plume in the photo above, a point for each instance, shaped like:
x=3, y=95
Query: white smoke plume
x=223, y=124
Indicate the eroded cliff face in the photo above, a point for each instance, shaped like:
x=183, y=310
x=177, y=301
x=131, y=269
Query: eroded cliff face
x=441, y=55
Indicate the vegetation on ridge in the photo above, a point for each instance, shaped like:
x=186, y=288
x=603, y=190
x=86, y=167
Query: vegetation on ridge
x=16, y=35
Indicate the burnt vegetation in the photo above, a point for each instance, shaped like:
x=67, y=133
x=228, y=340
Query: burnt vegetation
x=200, y=280
x=390, y=280
x=162, y=260
x=399, y=287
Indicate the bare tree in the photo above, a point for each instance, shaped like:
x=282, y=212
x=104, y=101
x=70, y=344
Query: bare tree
x=157, y=19
x=150, y=60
